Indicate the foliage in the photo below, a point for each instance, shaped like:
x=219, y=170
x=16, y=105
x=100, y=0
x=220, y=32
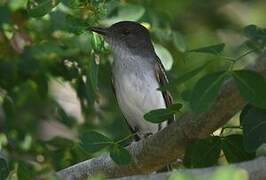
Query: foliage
x=45, y=41
x=221, y=173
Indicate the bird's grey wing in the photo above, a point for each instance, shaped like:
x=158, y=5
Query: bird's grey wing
x=136, y=137
x=162, y=79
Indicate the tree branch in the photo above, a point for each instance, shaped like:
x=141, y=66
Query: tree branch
x=169, y=144
x=255, y=170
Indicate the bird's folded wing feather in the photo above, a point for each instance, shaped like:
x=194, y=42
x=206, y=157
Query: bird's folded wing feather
x=162, y=79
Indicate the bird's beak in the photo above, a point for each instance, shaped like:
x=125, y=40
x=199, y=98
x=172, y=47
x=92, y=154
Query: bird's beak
x=102, y=31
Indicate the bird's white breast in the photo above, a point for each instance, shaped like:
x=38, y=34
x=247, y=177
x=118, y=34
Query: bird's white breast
x=136, y=91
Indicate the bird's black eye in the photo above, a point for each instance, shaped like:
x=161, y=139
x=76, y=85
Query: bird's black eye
x=125, y=32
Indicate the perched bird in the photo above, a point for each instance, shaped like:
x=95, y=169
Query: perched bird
x=137, y=73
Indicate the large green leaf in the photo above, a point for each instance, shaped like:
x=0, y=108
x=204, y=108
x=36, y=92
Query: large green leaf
x=206, y=91
x=120, y=155
x=252, y=86
x=184, y=77
x=3, y=168
x=160, y=115
x=38, y=8
x=179, y=41
x=213, y=49
x=164, y=55
x=93, y=141
x=127, y=12
x=233, y=149
x=253, y=120
x=187, y=76
x=203, y=153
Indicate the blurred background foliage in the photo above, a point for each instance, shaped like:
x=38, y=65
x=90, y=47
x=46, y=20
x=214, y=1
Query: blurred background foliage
x=55, y=75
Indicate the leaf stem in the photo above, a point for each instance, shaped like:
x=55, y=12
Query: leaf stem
x=126, y=138
x=232, y=60
x=245, y=54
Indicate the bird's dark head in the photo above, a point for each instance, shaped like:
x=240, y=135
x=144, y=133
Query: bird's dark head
x=126, y=35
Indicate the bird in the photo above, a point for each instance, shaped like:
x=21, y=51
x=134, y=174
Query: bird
x=137, y=73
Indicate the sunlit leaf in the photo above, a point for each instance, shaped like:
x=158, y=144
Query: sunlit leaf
x=127, y=12
x=229, y=172
x=214, y=49
x=93, y=141
x=160, y=115
x=206, y=91
x=97, y=42
x=252, y=86
x=253, y=121
x=164, y=55
x=120, y=155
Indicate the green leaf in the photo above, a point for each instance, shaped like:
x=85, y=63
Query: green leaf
x=261, y=150
x=252, y=87
x=5, y=14
x=203, y=153
x=38, y=8
x=93, y=73
x=160, y=115
x=187, y=76
x=214, y=49
x=251, y=31
x=64, y=117
x=164, y=55
x=63, y=21
x=60, y=142
x=85, y=92
x=127, y=12
x=255, y=33
x=26, y=171
x=179, y=42
x=253, y=121
x=97, y=42
x=120, y=155
x=206, y=91
x=229, y=172
x=233, y=149
x=93, y=141
x=183, y=78
x=4, y=171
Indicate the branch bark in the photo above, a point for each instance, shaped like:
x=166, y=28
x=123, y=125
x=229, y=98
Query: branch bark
x=255, y=170
x=169, y=144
